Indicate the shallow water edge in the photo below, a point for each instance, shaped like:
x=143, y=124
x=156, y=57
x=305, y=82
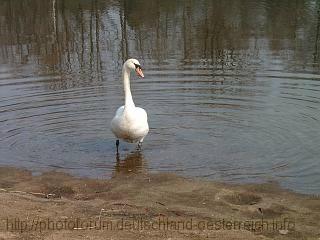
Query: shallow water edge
x=56, y=205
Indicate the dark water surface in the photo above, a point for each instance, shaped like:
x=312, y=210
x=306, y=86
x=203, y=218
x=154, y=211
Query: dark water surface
x=232, y=88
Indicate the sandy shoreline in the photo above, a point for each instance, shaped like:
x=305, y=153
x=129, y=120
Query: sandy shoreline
x=150, y=206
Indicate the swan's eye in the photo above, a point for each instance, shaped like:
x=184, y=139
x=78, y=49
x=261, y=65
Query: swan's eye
x=137, y=66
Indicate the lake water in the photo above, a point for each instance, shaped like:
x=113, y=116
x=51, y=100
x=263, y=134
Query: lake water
x=232, y=88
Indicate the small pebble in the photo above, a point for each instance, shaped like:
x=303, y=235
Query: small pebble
x=283, y=231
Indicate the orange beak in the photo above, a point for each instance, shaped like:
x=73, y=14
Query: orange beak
x=139, y=72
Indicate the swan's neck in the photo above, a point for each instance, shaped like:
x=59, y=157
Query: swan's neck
x=126, y=84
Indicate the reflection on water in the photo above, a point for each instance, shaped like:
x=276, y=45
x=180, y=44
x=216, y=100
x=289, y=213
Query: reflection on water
x=231, y=87
x=133, y=162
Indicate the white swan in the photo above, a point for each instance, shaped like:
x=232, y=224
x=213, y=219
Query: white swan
x=130, y=122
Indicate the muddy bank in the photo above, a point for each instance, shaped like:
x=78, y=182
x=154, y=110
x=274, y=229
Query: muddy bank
x=150, y=206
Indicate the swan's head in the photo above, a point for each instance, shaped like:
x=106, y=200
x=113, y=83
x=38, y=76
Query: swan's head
x=133, y=64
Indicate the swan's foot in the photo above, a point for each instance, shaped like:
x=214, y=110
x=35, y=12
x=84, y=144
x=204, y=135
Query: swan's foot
x=117, y=144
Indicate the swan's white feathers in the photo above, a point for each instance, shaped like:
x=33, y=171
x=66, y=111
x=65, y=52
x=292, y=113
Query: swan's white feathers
x=130, y=124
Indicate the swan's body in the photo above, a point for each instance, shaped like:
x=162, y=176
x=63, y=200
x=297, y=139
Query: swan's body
x=130, y=123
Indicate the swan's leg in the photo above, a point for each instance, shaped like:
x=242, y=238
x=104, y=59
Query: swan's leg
x=140, y=144
x=118, y=157
x=117, y=144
